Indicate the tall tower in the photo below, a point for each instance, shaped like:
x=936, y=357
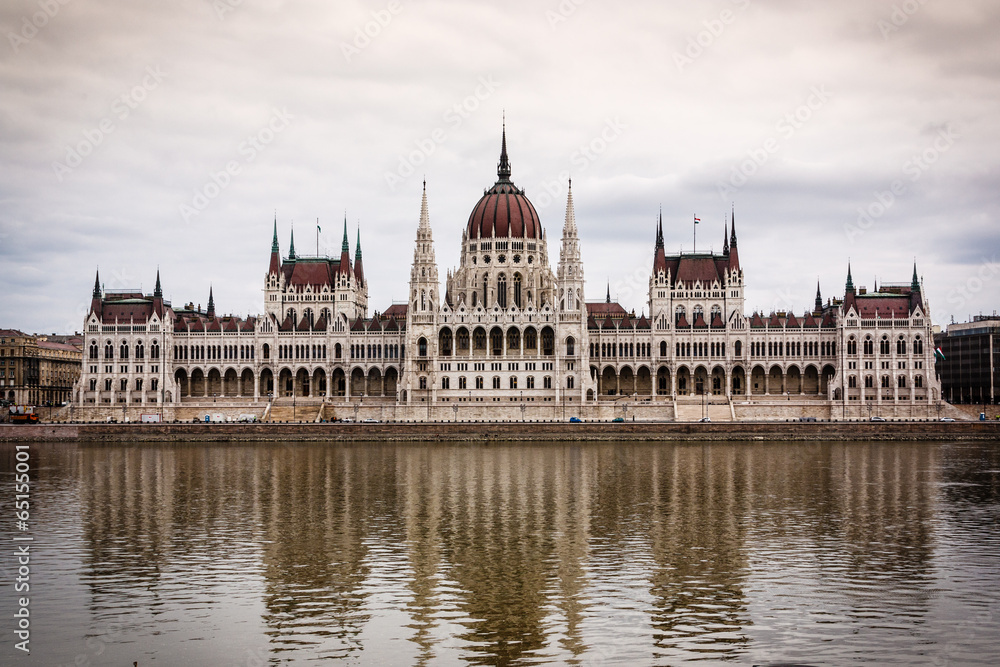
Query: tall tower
x=574, y=359
x=570, y=270
x=659, y=284
x=422, y=314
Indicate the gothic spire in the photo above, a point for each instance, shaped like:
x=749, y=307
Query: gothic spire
x=357, y=246
x=158, y=291
x=659, y=230
x=359, y=271
x=819, y=299
x=503, y=169
x=732, y=237
x=607, y=299
x=345, y=246
x=569, y=226
x=97, y=284
x=915, y=283
x=274, y=239
x=211, y=303
x=850, y=282
x=425, y=218
x=291, y=245
x=725, y=239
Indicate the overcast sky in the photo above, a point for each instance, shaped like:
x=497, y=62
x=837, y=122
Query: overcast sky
x=861, y=130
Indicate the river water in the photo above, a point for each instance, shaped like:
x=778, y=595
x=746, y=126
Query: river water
x=218, y=555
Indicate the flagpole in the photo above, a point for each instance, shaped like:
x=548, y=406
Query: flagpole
x=694, y=226
x=317, y=237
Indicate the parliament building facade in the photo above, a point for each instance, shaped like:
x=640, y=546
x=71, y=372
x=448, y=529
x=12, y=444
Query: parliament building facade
x=510, y=338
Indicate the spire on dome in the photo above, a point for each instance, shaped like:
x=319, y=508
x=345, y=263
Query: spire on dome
x=850, y=281
x=819, y=299
x=97, y=284
x=157, y=291
x=503, y=169
x=211, y=303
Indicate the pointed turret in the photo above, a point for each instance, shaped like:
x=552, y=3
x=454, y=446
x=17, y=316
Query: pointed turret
x=503, y=169
x=345, y=252
x=157, y=291
x=95, y=302
x=659, y=254
x=423, y=272
x=819, y=299
x=570, y=270
x=291, y=246
x=211, y=303
x=725, y=239
x=359, y=271
x=850, y=281
x=607, y=299
x=914, y=282
x=734, y=255
x=275, y=265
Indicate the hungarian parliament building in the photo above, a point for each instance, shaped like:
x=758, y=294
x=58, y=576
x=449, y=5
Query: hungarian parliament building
x=510, y=338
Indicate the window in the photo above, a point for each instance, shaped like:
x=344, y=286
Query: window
x=513, y=382
x=918, y=381
x=852, y=346
x=496, y=341
x=502, y=291
x=124, y=384
x=479, y=383
x=885, y=381
x=93, y=350
x=547, y=382
x=517, y=290
x=547, y=341
x=267, y=350
x=496, y=382
x=107, y=384
x=462, y=339
x=869, y=382
x=663, y=348
x=462, y=383
x=479, y=339
x=570, y=347
x=883, y=346
x=446, y=383
x=918, y=346
x=569, y=382
x=901, y=381
x=423, y=383
x=901, y=346
x=852, y=382
x=869, y=346
x=93, y=385
x=138, y=384
x=530, y=382
x=153, y=384
x=422, y=347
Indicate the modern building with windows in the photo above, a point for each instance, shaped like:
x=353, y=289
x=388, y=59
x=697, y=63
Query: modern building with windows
x=512, y=337
x=970, y=367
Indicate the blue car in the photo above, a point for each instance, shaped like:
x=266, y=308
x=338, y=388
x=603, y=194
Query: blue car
x=575, y=420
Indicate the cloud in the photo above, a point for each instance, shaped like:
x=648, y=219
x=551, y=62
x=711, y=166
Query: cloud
x=559, y=82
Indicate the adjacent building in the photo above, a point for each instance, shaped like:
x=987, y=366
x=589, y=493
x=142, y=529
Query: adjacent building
x=512, y=337
x=37, y=370
x=969, y=363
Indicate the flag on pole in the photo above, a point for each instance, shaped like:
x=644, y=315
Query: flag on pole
x=697, y=220
x=938, y=354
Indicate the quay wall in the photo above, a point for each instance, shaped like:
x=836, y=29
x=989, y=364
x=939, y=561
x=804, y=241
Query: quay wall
x=502, y=431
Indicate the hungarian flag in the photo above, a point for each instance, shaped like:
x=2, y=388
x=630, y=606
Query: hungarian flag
x=938, y=354
x=697, y=220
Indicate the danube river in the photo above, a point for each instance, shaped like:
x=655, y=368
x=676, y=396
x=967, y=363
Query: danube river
x=220, y=555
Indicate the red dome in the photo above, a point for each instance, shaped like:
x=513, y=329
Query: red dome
x=504, y=210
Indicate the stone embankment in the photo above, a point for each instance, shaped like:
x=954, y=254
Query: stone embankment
x=501, y=431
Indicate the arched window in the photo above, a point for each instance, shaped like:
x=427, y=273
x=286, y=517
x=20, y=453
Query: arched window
x=502, y=291
x=663, y=348
x=422, y=347
x=93, y=350
x=267, y=351
x=123, y=350
x=462, y=339
x=869, y=345
x=140, y=352
x=738, y=348
x=486, y=291
x=496, y=341
x=885, y=381
x=918, y=346
x=154, y=350
x=548, y=342
x=479, y=338
x=423, y=300
x=445, y=342
x=883, y=346
x=852, y=346
x=530, y=339
x=517, y=289
x=570, y=347
x=901, y=380
x=901, y=346
x=918, y=381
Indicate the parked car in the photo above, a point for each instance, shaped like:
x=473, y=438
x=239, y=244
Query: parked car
x=618, y=419
x=575, y=420
x=876, y=418
x=947, y=419
x=704, y=419
x=369, y=421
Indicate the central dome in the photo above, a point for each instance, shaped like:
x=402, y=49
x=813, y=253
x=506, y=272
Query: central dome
x=504, y=211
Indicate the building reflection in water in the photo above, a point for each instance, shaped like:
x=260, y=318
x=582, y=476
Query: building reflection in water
x=510, y=554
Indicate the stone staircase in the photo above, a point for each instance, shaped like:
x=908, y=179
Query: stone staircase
x=693, y=408
x=305, y=410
